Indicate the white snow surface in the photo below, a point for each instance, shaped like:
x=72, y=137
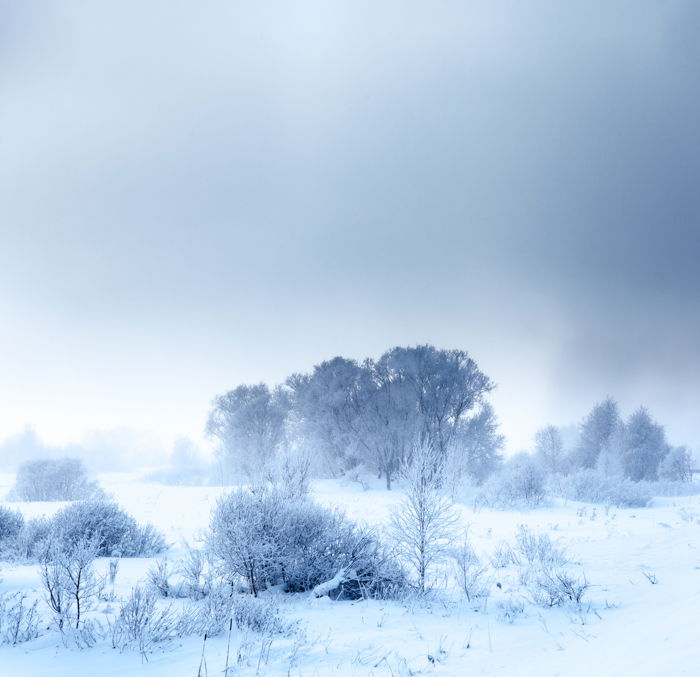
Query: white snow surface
x=628, y=626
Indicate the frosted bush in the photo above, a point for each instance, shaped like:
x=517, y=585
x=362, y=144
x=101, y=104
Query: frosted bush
x=671, y=488
x=27, y=543
x=62, y=479
x=504, y=555
x=147, y=542
x=196, y=572
x=538, y=548
x=510, y=610
x=595, y=487
x=158, y=577
x=116, y=532
x=676, y=466
x=71, y=586
x=557, y=587
x=521, y=483
x=11, y=523
x=224, y=609
x=19, y=620
x=469, y=571
x=141, y=625
x=290, y=473
x=264, y=539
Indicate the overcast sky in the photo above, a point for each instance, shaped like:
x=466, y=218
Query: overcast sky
x=198, y=195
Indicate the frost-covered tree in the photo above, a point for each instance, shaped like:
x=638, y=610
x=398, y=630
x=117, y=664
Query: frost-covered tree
x=677, y=465
x=68, y=577
x=549, y=449
x=521, y=482
x=324, y=410
x=446, y=385
x=475, y=449
x=47, y=479
x=644, y=446
x=371, y=413
x=597, y=433
x=249, y=421
x=423, y=526
x=610, y=462
x=377, y=411
x=385, y=423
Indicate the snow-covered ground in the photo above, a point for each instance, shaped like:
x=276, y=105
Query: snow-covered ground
x=626, y=626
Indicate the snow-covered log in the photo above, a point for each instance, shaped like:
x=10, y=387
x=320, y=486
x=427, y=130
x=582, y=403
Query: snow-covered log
x=324, y=588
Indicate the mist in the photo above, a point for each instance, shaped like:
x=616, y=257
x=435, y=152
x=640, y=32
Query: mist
x=198, y=199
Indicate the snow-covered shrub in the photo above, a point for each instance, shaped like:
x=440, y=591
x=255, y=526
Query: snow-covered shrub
x=247, y=534
x=504, y=555
x=35, y=530
x=520, y=483
x=141, y=626
x=629, y=494
x=143, y=623
x=158, y=577
x=11, y=525
x=265, y=539
x=116, y=532
x=594, y=487
x=62, y=479
x=196, y=572
x=250, y=613
x=321, y=542
x=55, y=590
x=290, y=471
x=87, y=634
x=538, y=548
x=469, y=571
x=510, y=610
x=70, y=583
x=148, y=541
x=214, y=612
x=670, y=488
x=424, y=524
x=19, y=620
x=676, y=466
x=223, y=609
x=557, y=587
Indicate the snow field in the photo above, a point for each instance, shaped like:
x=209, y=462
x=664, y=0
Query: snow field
x=626, y=625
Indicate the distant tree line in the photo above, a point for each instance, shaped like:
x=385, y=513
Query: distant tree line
x=635, y=448
x=373, y=413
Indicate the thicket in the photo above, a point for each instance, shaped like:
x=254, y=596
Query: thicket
x=62, y=479
x=261, y=538
x=593, y=486
x=521, y=483
x=372, y=414
x=112, y=531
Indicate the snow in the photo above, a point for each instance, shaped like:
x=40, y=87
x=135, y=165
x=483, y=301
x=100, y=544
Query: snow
x=632, y=627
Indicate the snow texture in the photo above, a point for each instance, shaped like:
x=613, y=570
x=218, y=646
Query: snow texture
x=629, y=626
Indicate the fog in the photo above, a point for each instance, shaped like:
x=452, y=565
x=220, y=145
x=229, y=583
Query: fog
x=198, y=198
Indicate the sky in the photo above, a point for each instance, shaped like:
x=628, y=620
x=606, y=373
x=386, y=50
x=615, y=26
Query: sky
x=199, y=195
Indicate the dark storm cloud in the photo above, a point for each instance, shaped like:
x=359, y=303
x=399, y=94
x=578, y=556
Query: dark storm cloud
x=517, y=179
